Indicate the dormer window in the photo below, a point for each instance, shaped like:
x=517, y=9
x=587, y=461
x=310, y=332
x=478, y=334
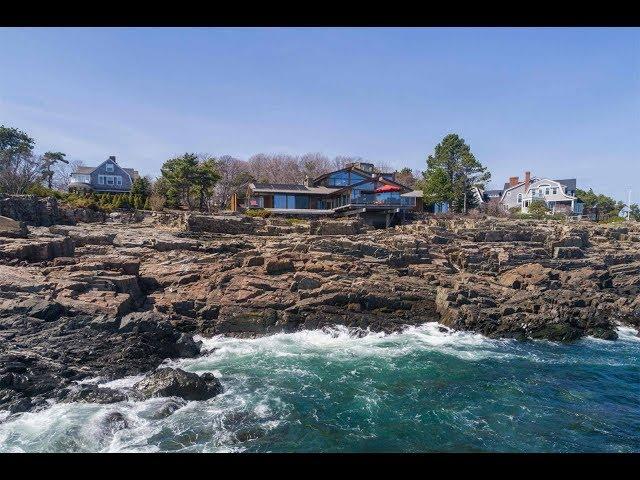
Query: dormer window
x=109, y=167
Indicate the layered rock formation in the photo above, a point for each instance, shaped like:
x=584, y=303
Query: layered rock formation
x=116, y=299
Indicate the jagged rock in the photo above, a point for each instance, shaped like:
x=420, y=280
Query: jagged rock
x=169, y=382
x=30, y=209
x=567, y=252
x=276, y=266
x=12, y=229
x=92, y=394
x=131, y=295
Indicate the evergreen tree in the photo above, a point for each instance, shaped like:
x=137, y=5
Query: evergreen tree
x=452, y=172
x=189, y=181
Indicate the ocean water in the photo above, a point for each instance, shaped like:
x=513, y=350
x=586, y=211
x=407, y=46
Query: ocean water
x=422, y=390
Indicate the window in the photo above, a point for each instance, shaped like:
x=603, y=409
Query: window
x=555, y=190
x=291, y=201
x=109, y=167
x=408, y=201
x=302, y=201
x=282, y=200
x=279, y=201
x=100, y=179
x=519, y=198
x=119, y=180
x=343, y=178
x=109, y=179
x=546, y=191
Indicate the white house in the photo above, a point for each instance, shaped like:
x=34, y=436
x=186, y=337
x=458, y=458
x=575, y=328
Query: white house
x=558, y=195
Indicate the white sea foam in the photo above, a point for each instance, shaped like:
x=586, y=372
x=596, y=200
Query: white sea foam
x=339, y=342
x=265, y=378
x=628, y=334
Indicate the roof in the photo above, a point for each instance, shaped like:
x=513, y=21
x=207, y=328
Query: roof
x=507, y=185
x=290, y=188
x=413, y=193
x=570, y=183
x=353, y=168
x=133, y=173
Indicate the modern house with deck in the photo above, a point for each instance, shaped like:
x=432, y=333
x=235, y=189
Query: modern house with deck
x=358, y=189
x=108, y=177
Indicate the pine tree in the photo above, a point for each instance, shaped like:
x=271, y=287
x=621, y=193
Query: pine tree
x=452, y=172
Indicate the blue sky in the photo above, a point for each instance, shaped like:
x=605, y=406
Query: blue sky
x=558, y=102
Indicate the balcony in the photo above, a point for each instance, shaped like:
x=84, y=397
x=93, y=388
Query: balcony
x=80, y=179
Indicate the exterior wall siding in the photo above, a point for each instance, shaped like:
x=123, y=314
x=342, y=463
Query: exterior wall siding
x=510, y=197
x=117, y=170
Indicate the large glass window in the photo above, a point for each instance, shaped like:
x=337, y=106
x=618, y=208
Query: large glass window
x=408, y=201
x=302, y=201
x=388, y=198
x=279, y=201
x=344, y=178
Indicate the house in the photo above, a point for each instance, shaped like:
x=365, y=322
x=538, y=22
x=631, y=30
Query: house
x=108, y=177
x=357, y=189
x=558, y=195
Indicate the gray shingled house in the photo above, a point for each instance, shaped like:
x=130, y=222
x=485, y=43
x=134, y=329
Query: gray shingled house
x=108, y=177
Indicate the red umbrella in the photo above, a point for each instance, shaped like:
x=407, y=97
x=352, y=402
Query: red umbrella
x=387, y=188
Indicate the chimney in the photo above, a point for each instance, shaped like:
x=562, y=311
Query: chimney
x=113, y=158
x=306, y=180
x=513, y=181
x=527, y=180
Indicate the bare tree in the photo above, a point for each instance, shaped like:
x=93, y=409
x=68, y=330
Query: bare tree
x=20, y=173
x=62, y=173
x=234, y=177
x=408, y=177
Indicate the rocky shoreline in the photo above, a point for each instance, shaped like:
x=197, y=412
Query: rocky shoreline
x=117, y=297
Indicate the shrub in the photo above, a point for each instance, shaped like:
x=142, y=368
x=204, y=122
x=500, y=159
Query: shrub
x=78, y=201
x=41, y=191
x=257, y=212
x=538, y=209
x=156, y=202
x=529, y=216
x=612, y=219
x=296, y=221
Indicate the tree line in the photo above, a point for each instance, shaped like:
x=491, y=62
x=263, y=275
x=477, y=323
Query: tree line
x=197, y=181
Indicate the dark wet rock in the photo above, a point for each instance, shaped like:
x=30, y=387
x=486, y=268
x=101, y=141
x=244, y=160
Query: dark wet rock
x=170, y=382
x=92, y=394
x=164, y=409
x=113, y=422
x=186, y=347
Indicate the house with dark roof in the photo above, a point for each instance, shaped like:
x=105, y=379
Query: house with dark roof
x=558, y=195
x=357, y=189
x=108, y=177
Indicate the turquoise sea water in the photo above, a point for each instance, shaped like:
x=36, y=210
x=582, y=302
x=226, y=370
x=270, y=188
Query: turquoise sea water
x=422, y=390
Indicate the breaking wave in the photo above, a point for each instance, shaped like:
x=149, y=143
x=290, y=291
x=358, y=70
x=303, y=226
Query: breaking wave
x=335, y=390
